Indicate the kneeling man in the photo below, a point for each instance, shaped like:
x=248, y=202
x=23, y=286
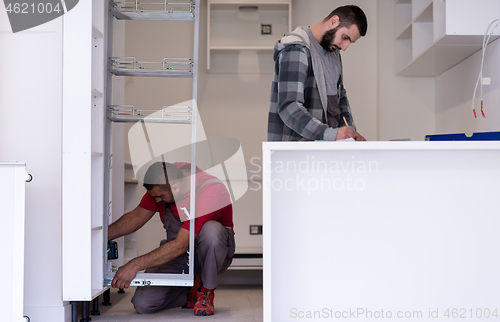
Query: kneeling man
x=168, y=192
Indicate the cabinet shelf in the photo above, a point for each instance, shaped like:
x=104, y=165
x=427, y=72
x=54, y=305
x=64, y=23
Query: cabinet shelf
x=97, y=93
x=441, y=55
x=167, y=114
x=168, y=67
x=426, y=15
x=434, y=39
x=97, y=292
x=406, y=33
x=164, y=11
x=238, y=48
x=96, y=33
x=235, y=26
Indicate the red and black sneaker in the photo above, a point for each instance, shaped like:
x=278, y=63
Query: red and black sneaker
x=192, y=296
x=205, y=304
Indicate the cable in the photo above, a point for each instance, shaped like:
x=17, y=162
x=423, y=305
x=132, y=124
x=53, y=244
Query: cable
x=493, y=25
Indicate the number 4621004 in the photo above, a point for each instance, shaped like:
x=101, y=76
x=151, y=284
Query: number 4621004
x=470, y=313
x=33, y=8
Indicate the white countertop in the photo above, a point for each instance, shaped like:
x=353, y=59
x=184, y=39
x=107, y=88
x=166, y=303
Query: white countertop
x=383, y=145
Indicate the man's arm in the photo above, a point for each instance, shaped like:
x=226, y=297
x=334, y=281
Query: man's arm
x=129, y=222
x=161, y=255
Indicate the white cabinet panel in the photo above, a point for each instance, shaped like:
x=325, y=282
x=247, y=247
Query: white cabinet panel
x=393, y=226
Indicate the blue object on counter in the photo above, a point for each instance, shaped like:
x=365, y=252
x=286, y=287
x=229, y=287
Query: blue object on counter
x=479, y=136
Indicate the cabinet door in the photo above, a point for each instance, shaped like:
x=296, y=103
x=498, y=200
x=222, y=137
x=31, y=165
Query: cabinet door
x=84, y=156
x=12, y=195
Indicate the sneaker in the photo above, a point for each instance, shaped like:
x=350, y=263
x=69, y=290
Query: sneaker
x=192, y=296
x=205, y=304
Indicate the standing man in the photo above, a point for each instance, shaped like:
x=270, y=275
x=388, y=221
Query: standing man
x=168, y=193
x=308, y=99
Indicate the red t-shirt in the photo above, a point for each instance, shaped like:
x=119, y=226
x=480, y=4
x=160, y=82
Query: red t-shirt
x=212, y=202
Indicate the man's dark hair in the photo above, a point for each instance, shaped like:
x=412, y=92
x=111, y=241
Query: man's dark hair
x=161, y=174
x=350, y=15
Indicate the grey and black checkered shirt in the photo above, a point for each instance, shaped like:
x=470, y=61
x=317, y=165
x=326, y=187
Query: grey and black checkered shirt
x=296, y=112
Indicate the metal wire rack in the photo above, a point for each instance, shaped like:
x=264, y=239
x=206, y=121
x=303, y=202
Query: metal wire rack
x=167, y=114
x=135, y=10
x=168, y=67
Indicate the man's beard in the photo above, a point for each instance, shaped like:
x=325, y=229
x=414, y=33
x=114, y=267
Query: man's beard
x=327, y=40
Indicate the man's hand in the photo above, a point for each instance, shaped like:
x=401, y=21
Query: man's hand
x=345, y=132
x=125, y=275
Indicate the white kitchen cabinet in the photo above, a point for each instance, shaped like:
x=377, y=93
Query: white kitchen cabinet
x=12, y=199
x=85, y=198
x=384, y=227
x=435, y=35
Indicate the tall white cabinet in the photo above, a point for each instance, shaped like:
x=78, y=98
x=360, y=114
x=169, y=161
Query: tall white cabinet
x=85, y=199
x=89, y=69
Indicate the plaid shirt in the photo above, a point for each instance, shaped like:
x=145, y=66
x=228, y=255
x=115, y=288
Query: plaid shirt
x=296, y=112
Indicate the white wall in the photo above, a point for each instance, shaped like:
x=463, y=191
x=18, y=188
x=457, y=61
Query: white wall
x=454, y=89
x=30, y=131
x=406, y=104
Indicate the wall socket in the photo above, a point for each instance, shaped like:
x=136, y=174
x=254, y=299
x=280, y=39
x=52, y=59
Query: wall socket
x=255, y=229
x=486, y=81
x=266, y=29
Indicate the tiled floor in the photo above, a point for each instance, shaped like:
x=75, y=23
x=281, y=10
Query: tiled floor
x=232, y=303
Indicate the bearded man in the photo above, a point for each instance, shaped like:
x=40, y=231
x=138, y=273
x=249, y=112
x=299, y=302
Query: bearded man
x=308, y=98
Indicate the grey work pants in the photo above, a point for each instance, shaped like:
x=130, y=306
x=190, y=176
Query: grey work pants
x=214, y=250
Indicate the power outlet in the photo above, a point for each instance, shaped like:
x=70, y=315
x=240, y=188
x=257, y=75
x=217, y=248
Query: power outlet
x=255, y=229
x=266, y=29
x=486, y=81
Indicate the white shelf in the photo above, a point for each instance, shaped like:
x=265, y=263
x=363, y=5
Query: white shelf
x=441, y=56
x=219, y=5
x=238, y=48
x=97, y=93
x=248, y=250
x=253, y=261
x=406, y=33
x=426, y=15
x=431, y=38
x=234, y=28
x=96, y=33
x=97, y=292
